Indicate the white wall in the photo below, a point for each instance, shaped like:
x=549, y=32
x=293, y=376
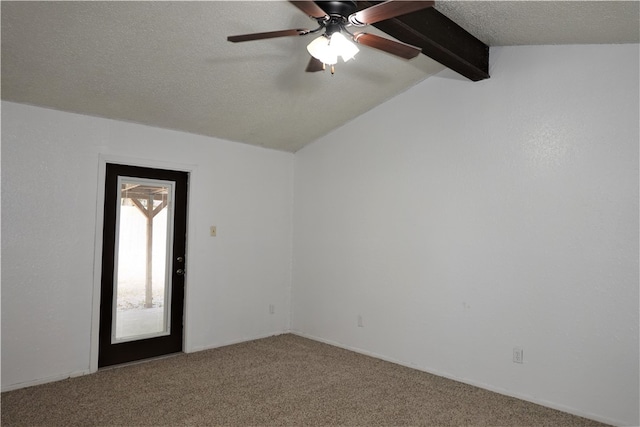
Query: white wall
x=51, y=208
x=458, y=219
x=463, y=219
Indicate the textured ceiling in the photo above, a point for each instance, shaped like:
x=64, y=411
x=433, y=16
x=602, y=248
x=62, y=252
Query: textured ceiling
x=168, y=64
x=509, y=23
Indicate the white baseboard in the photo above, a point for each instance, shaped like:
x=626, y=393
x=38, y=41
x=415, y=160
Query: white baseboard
x=46, y=380
x=232, y=342
x=489, y=387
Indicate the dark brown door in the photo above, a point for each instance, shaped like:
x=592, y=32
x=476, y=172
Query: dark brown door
x=143, y=263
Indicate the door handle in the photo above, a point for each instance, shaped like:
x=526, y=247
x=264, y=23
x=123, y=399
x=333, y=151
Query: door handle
x=180, y=272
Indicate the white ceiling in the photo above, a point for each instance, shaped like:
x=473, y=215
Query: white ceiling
x=168, y=64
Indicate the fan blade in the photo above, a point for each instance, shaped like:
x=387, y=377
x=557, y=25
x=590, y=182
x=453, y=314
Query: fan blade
x=393, y=47
x=267, y=35
x=314, y=65
x=387, y=10
x=310, y=8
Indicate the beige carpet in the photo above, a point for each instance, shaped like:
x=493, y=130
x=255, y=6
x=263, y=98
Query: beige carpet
x=283, y=380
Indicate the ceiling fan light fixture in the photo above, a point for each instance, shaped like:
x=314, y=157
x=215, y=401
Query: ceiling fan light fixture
x=319, y=48
x=343, y=47
x=328, y=49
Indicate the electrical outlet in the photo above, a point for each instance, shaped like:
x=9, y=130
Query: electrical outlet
x=272, y=309
x=517, y=355
x=360, y=322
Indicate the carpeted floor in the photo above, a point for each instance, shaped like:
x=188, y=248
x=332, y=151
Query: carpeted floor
x=282, y=380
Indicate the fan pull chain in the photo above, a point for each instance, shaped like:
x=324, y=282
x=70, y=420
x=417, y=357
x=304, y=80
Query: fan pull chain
x=324, y=68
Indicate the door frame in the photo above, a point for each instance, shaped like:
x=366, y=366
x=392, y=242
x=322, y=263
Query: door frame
x=103, y=159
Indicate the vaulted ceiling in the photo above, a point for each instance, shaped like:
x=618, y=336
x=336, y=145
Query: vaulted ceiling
x=168, y=64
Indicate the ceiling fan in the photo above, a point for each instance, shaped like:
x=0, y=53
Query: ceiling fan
x=336, y=18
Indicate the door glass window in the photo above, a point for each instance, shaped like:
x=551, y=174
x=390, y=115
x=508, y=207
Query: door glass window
x=142, y=288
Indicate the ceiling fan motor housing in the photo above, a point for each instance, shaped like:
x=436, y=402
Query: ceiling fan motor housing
x=338, y=8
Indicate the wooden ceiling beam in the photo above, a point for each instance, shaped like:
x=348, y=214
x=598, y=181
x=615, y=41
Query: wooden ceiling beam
x=440, y=38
